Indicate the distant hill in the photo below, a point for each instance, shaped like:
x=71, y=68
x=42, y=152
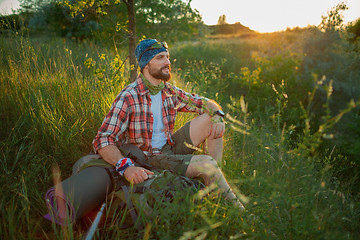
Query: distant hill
x=230, y=29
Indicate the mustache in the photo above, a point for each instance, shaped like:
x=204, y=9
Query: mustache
x=166, y=67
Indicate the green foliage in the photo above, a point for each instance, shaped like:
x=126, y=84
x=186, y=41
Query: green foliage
x=79, y=20
x=52, y=102
x=58, y=82
x=58, y=18
x=283, y=178
x=291, y=150
x=10, y=22
x=225, y=29
x=331, y=56
x=354, y=28
x=291, y=62
x=170, y=20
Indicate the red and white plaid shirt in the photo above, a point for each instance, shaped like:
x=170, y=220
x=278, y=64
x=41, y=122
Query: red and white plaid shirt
x=130, y=119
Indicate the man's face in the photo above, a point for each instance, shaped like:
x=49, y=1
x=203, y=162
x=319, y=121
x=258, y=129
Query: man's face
x=159, y=67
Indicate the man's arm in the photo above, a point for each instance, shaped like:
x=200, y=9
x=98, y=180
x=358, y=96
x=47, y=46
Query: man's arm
x=112, y=155
x=109, y=132
x=210, y=106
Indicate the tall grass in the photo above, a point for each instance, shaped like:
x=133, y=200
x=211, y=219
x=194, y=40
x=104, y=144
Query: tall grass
x=283, y=181
x=54, y=96
x=51, y=106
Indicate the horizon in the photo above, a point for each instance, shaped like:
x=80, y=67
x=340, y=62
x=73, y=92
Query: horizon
x=277, y=15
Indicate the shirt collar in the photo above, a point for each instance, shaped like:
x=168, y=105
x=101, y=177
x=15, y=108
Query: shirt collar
x=143, y=90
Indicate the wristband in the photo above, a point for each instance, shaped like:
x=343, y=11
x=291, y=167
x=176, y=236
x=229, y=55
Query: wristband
x=123, y=164
x=219, y=113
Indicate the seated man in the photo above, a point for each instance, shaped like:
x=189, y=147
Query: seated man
x=144, y=114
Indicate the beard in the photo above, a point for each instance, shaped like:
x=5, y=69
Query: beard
x=158, y=73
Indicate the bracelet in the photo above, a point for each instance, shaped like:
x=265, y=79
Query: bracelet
x=219, y=120
x=123, y=164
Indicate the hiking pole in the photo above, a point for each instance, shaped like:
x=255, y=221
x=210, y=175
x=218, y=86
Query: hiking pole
x=91, y=232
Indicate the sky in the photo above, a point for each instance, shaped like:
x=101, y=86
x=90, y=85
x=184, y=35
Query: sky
x=7, y=5
x=272, y=15
x=258, y=15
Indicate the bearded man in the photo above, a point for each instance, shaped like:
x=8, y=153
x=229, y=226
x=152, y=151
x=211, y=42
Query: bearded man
x=144, y=114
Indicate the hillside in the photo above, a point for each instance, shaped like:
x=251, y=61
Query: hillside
x=235, y=29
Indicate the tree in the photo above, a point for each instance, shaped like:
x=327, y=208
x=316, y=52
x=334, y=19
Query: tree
x=132, y=38
x=31, y=5
x=161, y=19
x=222, y=20
x=170, y=20
x=334, y=20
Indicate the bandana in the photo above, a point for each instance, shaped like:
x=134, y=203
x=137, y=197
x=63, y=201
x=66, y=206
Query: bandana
x=142, y=50
x=152, y=88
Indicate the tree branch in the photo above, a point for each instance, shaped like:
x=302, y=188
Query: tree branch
x=126, y=2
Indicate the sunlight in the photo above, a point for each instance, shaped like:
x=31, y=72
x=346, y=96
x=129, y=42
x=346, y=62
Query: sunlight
x=270, y=16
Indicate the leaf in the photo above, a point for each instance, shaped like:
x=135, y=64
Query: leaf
x=240, y=130
x=236, y=121
x=193, y=147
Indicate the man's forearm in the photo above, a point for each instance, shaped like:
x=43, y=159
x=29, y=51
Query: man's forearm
x=111, y=154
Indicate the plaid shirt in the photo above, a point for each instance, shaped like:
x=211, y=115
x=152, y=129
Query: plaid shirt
x=130, y=119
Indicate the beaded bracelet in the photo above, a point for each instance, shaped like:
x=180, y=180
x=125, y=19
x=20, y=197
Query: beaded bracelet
x=123, y=164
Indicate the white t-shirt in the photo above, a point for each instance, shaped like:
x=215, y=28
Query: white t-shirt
x=158, y=137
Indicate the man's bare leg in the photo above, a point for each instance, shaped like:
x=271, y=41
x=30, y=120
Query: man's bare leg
x=200, y=129
x=206, y=168
x=214, y=148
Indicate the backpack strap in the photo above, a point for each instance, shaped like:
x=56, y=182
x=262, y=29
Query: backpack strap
x=131, y=207
x=137, y=155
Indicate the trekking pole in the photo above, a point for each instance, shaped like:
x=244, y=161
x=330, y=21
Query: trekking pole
x=91, y=232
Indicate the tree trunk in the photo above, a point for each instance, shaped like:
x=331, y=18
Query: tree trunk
x=132, y=39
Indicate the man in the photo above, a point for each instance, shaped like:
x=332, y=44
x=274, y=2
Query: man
x=144, y=114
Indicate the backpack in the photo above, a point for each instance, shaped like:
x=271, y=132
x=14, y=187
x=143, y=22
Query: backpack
x=132, y=205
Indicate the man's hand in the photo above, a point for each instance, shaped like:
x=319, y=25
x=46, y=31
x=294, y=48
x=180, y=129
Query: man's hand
x=137, y=174
x=217, y=127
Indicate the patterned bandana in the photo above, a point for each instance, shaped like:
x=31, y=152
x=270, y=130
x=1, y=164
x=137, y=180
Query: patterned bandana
x=144, y=51
x=152, y=88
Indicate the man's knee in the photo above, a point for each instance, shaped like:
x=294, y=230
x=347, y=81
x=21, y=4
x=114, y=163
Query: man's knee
x=203, y=120
x=203, y=160
x=204, y=167
x=200, y=128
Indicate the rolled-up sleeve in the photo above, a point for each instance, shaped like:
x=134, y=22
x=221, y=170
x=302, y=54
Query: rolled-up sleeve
x=114, y=125
x=189, y=102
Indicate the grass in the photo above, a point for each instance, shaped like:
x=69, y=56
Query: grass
x=55, y=95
